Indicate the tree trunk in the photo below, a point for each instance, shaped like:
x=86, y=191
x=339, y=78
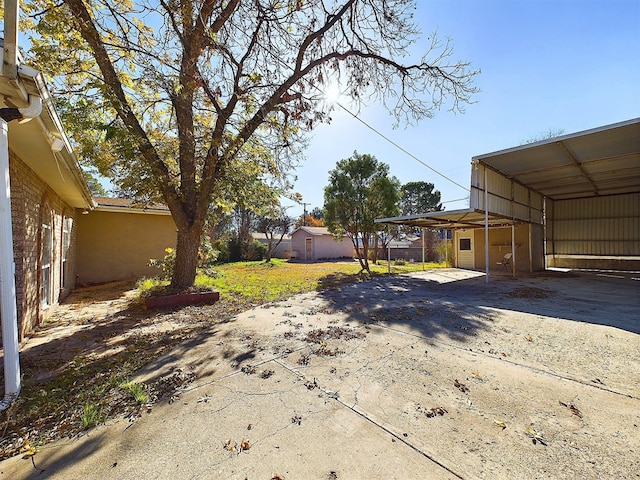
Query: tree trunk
x=184, y=271
x=364, y=261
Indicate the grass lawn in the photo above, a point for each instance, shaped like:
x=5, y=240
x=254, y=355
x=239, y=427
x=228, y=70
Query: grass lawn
x=259, y=282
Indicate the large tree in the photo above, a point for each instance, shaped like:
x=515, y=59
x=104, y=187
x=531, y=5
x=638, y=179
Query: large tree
x=184, y=92
x=359, y=191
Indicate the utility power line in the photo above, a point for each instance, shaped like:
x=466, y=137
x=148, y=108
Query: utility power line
x=402, y=149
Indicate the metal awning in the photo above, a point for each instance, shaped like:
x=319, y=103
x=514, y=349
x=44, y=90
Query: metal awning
x=596, y=162
x=466, y=218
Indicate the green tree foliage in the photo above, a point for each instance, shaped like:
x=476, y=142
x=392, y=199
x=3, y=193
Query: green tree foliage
x=173, y=99
x=419, y=197
x=317, y=213
x=359, y=191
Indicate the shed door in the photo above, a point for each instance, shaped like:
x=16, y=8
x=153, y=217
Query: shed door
x=308, y=249
x=466, y=258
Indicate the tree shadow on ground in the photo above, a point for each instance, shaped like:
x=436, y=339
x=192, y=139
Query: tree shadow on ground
x=437, y=302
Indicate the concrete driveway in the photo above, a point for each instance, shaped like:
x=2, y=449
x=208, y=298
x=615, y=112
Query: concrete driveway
x=428, y=375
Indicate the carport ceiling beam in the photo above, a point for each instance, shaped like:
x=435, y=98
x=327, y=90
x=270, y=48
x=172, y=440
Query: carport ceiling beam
x=570, y=156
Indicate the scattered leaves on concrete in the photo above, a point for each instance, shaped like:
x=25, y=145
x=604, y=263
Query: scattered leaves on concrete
x=304, y=359
x=267, y=373
x=460, y=386
x=431, y=412
x=528, y=292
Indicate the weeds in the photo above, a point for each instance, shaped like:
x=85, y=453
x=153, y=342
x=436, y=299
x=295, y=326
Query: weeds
x=91, y=415
x=137, y=391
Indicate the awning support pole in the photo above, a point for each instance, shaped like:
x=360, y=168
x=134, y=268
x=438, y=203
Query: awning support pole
x=513, y=249
x=530, y=252
x=486, y=228
x=388, y=248
x=423, y=233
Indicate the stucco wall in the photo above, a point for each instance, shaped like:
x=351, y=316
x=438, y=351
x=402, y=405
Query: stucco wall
x=116, y=246
x=32, y=202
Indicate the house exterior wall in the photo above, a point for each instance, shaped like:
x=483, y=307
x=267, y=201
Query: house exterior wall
x=599, y=232
x=323, y=247
x=34, y=203
x=118, y=245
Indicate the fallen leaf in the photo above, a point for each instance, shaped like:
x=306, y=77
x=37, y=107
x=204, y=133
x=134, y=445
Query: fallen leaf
x=536, y=436
x=573, y=409
x=500, y=424
x=245, y=445
x=476, y=374
x=28, y=450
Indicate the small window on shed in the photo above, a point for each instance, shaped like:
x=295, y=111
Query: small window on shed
x=465, y=244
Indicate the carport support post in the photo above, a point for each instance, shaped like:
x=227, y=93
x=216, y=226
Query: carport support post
x=423, y=232
x=8, y=308
x=513, y=249
x=388, y=248
x=486, y=228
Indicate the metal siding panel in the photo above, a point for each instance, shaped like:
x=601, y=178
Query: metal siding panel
x=599, y=226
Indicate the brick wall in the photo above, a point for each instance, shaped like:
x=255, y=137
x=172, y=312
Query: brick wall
x=32, y=203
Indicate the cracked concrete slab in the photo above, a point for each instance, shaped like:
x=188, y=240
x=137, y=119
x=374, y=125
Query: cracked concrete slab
x=428, y=375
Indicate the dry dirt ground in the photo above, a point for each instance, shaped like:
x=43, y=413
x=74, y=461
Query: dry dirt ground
x=427, y=375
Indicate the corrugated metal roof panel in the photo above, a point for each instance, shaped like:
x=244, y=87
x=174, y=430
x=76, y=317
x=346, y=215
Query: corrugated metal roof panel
x=595, y=162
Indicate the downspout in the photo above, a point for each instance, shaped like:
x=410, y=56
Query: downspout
x=8, y=308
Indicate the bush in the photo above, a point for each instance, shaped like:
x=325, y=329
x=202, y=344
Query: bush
x=223, y=251
x=207, y=257
x=166, y=264
x=246, y=251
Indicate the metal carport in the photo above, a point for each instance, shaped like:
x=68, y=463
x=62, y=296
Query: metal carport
x=584, y=188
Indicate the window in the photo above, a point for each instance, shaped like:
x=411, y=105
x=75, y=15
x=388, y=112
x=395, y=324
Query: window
x=45, y=269
x=465, y=244
x=67, y=226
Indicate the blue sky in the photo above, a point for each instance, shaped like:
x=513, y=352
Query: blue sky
x=568, y=64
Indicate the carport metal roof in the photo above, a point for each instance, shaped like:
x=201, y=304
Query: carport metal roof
x=466, y=218
x=600, y=161
x=596, y=162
